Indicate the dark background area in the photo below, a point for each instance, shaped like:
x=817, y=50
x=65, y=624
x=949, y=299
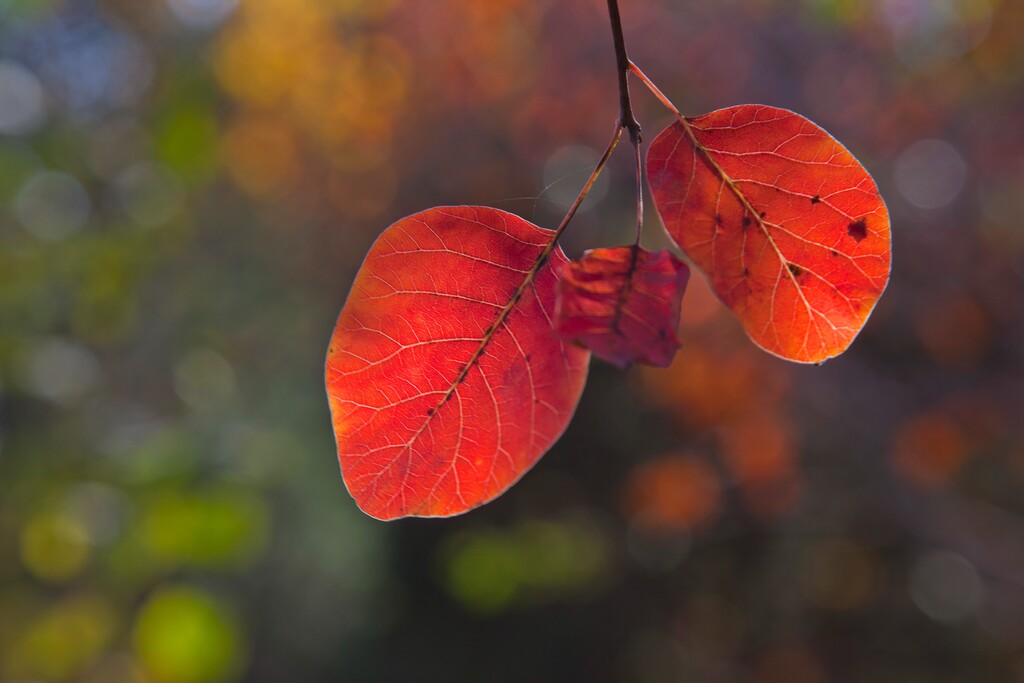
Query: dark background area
x=187, y=188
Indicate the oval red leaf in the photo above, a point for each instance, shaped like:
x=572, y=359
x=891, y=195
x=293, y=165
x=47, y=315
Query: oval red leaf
x=445, y=377
x=623, y=304
x=788, y=226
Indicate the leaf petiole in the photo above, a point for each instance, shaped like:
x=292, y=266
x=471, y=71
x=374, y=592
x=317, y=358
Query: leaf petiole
x=655, y=90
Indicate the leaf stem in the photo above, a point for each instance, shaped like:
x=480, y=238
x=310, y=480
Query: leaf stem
x=654, y=89
x=639, y=191
x=688, y=129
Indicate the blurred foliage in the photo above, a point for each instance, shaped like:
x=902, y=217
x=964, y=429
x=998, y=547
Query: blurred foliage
x=186, y=190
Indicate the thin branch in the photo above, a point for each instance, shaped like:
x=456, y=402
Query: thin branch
x=626, y=121
x=528, y=278
x=626, y=118
x=585, y=191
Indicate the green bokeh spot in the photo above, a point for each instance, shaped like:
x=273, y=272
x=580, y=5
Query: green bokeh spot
x=484, y=572
x=184, y=635
x=186, y=141
x=491, y=570
x=207, y=529
x=29, y=9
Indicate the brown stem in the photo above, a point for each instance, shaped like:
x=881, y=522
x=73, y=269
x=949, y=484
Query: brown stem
x=626, y=118
x=628, y=121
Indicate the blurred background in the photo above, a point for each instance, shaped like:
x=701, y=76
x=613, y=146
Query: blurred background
x=187, y=188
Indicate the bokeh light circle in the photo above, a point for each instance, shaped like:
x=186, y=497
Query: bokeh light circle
x=930, y=174
x=22, y=100
x=52, y=206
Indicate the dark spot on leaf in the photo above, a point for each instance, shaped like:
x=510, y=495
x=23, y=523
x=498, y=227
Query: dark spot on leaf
x=746, y=272
x=430, y=411
x=815, y=199
x=746, y=221
x=764, y=214
x=834, y=252
x=527, y=358
x=718, y=219
x=795, y=269
x=857, y=230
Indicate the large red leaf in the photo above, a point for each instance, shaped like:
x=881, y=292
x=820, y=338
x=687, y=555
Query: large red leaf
x=623, y=304
x=789, y=227
x=445, y=378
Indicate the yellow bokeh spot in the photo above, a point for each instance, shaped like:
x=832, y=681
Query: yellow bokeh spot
x=62, y=641
x=261, y=155
x=314, y=78
x=54, y=547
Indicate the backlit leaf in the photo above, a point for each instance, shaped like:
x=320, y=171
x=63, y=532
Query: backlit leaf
x=788, y=226
x=623, y=304
x=445, y=377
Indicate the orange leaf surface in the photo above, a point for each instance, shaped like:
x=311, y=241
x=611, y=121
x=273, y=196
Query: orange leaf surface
x=788, y=226
x=623, y=304
x=445, y=378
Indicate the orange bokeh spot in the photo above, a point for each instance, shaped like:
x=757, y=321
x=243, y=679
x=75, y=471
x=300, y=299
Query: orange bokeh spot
x=261, y=155
x=716, y=379
x=672, y=493
x=760, y=449
x=774, y=499
x=955, y=332
x=789, y=665
x=929, y=450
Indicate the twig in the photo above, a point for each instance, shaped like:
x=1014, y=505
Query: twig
x=626, y=118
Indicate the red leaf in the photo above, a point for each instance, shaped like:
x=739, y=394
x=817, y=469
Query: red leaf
x=623, y=304
x=445, y=378
x=789, y=227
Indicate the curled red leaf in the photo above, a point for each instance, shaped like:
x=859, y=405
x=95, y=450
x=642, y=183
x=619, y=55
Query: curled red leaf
x=623, y=303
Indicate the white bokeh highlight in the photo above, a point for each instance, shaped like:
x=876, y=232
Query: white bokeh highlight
x=52, y=206
x=22, y=100
x=930, y=174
